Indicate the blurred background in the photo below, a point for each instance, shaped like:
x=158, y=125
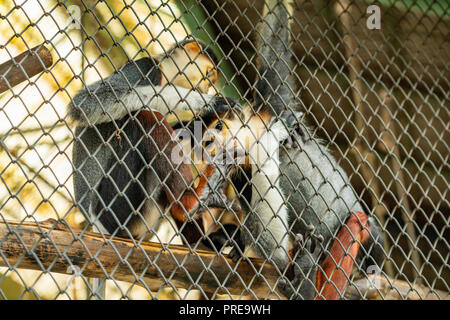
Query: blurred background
x=380, y=97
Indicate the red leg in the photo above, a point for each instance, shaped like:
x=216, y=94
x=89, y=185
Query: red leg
x=178, y=177
x=189, y=201
x=333, y=275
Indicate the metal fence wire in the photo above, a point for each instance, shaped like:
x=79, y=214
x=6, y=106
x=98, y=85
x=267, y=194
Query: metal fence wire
x=347, y=198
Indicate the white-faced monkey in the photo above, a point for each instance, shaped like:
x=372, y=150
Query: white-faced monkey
x=123, y=171
x=299, y=195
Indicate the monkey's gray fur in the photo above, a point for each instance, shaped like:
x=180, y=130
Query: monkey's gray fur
x=95, y=107
x=315, y=190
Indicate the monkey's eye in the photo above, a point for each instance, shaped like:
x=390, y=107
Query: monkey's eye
x=219, y=126
x=208, y=73
x=208, y=143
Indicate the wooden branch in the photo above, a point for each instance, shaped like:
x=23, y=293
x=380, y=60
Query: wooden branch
x=24, y=245
x=389, y=142
x=388, y=289
x=43, y=247
x=24, y=66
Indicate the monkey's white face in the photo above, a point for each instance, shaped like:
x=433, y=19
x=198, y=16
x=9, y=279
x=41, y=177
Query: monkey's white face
x=218, y=136
x=236, y=135
x=190, y=69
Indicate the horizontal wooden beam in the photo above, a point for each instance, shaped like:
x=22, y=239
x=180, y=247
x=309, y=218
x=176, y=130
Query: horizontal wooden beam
x=34, y=246
x=42, y=247
x=383, y=288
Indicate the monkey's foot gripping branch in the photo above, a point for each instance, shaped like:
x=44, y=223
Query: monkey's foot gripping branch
x=303, y=270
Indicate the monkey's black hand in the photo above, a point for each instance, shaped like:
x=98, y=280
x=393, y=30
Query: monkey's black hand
x=224, y=104
x=217, y=199
x=213, y=193
x=238, y=249
x=227, y=235
x=302, y=286
x=299, y=131
x=292, y=119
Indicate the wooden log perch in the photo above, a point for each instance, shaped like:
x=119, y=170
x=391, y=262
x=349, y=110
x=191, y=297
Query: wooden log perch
x=388, y=289
x=26, y=246
x=24, y=66
x=37, y=247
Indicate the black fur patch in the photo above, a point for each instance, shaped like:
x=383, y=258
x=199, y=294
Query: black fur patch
x=221, y=238
x=142, y=72
x=116, y=209
x=221, y=108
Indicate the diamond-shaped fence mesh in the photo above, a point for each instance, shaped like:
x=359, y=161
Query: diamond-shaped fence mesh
x=334, y=119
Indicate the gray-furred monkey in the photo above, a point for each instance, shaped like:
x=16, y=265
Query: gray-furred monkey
x=123, y=143
x=302, y=191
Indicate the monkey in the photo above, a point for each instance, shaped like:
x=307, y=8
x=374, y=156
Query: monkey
x=120, y=127
x=301, y=195
x=225, y=232
x=148, y=172
x=320, y=191
x=247, y=129
x=171, y=82
x=258, y=124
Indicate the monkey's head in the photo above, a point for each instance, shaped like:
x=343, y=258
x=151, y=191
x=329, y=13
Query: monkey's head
x=218, y=133
x=191, y=65
x=235, y=131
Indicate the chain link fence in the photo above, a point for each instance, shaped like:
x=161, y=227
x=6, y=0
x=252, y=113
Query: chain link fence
x=372, y=79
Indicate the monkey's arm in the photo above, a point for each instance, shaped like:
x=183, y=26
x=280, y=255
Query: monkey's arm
x=135, y=87
x=266, y=224
x=273, y=91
